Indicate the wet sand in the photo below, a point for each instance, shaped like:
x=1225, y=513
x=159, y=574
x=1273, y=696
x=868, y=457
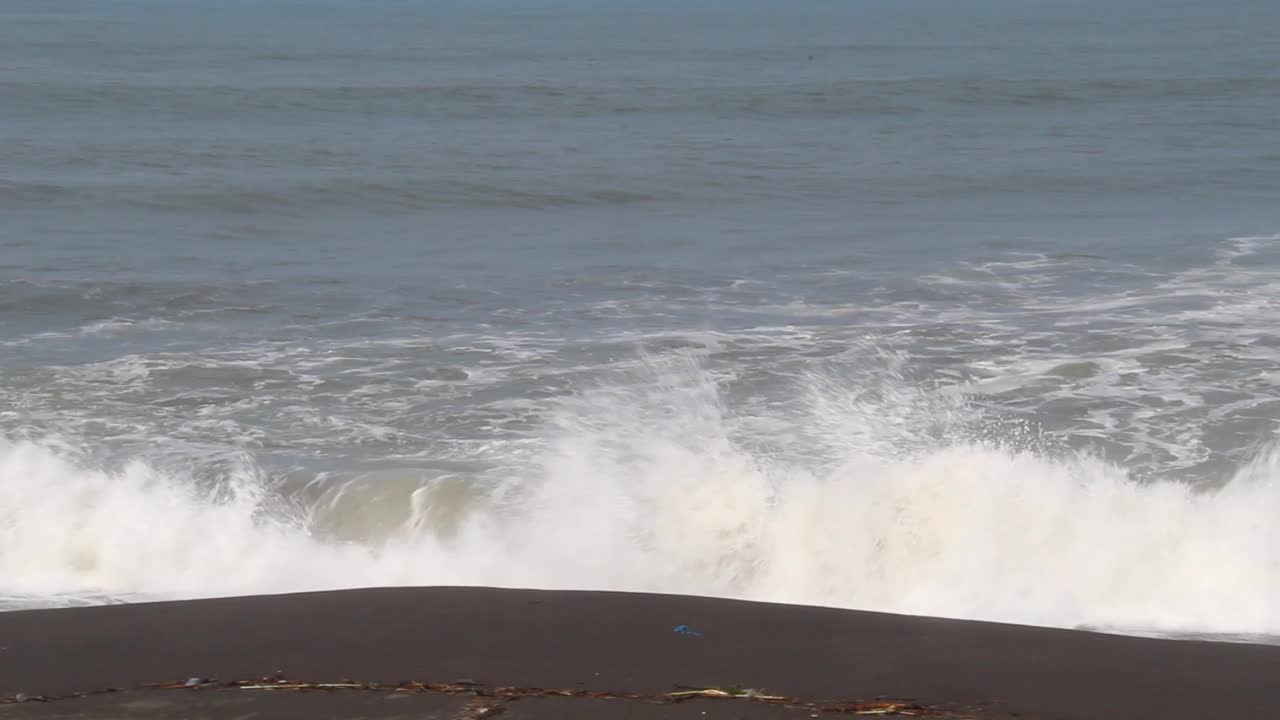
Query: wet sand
x=454, y=653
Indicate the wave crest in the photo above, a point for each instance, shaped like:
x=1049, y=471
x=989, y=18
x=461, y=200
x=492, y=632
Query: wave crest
x=656, y=486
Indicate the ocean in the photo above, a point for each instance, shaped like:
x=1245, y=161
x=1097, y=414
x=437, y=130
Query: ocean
x=959, y=309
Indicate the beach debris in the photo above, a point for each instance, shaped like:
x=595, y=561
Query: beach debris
x=25, y=698
x=481, y=708
x=889, y=707
x=715, y=692
x=190, y=683
x=488, y=701
x=904, y=708
x=285, y=685
x=686, y=630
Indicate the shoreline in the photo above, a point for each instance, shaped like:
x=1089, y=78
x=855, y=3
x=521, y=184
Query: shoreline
x=473, y=651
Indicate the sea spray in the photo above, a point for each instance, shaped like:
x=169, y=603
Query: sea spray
x=659, y=482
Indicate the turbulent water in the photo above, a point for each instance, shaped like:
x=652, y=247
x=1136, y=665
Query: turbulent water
x=961, y=309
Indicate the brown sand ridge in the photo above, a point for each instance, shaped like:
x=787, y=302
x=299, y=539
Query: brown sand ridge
x=469, y=653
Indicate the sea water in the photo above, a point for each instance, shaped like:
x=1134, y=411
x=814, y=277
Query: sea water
x=961, y=309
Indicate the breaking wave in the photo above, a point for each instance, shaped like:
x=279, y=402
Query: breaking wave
x=884, y=498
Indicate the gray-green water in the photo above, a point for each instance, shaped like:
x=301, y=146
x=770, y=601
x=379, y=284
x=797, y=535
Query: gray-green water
x=952, y=308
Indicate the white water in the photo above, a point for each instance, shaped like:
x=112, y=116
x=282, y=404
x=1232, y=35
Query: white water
x=659, y=486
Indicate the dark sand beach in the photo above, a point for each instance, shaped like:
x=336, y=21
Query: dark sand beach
x=470, y=653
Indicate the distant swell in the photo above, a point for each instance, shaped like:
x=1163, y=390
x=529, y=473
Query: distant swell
x=390, y=193
x=387, y=193
x=651, y=487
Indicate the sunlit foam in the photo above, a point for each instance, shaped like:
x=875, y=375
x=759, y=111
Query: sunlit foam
x=871, y=500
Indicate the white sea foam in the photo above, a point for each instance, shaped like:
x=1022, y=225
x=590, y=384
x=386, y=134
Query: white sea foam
x=873, y=500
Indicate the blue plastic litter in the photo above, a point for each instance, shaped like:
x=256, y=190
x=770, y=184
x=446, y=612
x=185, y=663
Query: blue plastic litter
x=686, y=630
